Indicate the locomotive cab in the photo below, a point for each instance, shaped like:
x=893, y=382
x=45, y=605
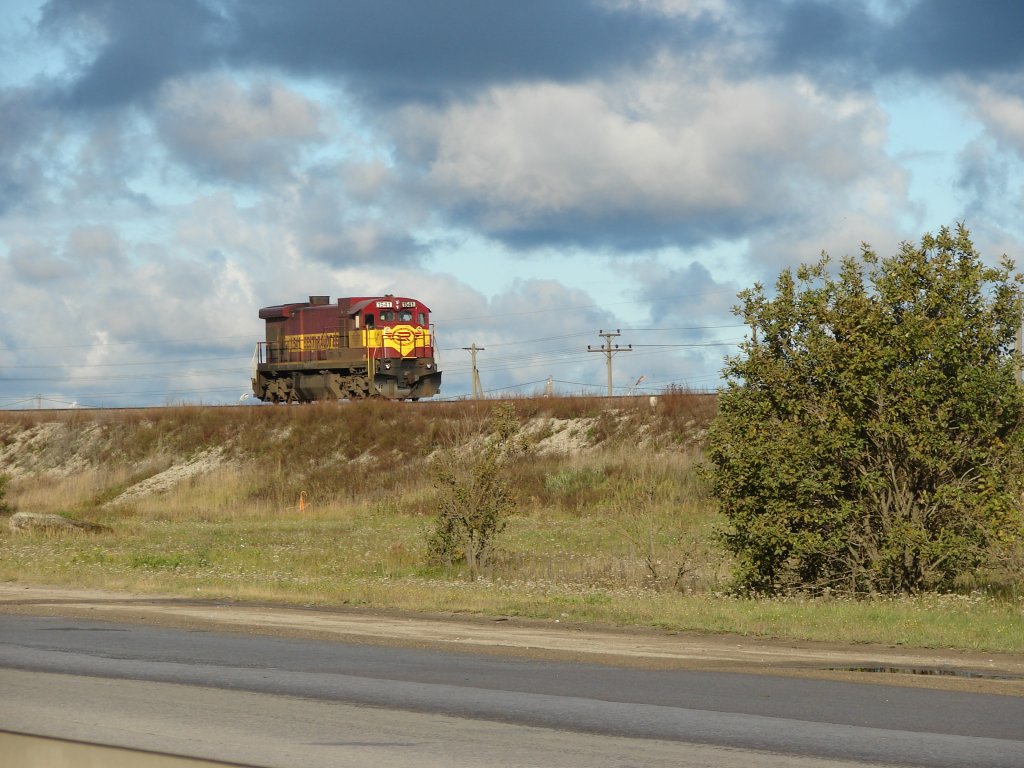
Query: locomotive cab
x=379, y=346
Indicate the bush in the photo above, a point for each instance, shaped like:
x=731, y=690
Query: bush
x=869, y=437
x=475, y=495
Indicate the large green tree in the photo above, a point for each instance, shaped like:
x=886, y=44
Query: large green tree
x=869, y=437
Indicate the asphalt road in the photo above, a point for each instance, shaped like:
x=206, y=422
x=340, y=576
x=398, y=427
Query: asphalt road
x=282, y=701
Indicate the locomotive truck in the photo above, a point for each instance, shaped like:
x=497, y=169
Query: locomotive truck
x=360, y=346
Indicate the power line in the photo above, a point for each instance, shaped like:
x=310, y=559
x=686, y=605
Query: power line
x=122, y=377
x=137, y=362
x=587, y=333
x=702, y=344
x=191, y=341
x=691, y=328
x=565, y=357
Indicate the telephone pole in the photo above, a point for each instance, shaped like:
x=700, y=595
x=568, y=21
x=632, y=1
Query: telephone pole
x=609, y=350
x=477, y=389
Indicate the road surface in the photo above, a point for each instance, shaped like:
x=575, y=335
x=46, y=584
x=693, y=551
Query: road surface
x=266, y=700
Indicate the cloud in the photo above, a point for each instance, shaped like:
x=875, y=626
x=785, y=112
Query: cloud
x=852, y=43
x=828, y=40
x=26, y=144
x=392, y=51
x=669, y=157
x=32, y=263
x=999, y=105
x=96, y=314
x=103, y=163
x=222, y=129
x=990, y=166
x=373, y=226
x=686, y=296
x=836, y=231
x=983, y=177
x=166, y=169
x=936, y=38
x=122, y=51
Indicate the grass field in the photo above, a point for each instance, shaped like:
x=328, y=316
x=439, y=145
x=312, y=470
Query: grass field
x=325, y=505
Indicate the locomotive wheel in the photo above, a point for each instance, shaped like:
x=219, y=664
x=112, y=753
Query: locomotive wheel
x=356, y=387
x=279, y=391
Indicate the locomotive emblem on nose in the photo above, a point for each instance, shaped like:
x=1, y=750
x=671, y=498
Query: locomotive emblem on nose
x=402, y=338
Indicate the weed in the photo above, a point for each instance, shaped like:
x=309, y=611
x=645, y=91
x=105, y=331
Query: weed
x=156, y=562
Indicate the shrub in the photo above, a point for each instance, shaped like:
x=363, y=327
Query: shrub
x=475, y=495
x=869, y=438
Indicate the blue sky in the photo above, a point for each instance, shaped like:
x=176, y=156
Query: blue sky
x=534, y=171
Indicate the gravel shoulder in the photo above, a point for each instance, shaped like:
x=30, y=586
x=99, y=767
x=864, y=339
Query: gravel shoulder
x=515, y=637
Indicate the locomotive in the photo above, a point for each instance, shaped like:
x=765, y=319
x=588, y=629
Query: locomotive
x=360, y=346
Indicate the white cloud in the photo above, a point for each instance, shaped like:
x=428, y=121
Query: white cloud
x=224, y=128
x=673, y=152
x=1000, y=107
x=33, y=263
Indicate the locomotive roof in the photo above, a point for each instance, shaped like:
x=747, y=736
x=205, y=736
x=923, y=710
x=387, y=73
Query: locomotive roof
x=352, y=305
x=361, y=303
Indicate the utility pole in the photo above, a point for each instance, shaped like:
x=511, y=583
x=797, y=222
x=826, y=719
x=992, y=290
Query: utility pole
x=608, y=350
x=477, y=389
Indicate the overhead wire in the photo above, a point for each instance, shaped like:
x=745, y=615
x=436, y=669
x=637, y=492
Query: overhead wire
x=531, y=358
x=140, y=362
x=148, y=343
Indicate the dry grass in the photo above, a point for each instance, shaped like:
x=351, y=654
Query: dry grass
x=621, y=532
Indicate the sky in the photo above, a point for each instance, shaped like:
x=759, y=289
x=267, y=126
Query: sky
x=537, y=172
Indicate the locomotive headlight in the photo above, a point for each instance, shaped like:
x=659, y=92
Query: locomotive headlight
x=387, y=366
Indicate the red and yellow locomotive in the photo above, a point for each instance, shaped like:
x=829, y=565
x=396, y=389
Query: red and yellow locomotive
x=361, y=346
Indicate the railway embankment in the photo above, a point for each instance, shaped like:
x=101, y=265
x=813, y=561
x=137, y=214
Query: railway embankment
x=333, y=506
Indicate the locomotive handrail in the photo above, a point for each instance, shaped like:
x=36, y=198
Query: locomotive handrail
x=281, y=352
